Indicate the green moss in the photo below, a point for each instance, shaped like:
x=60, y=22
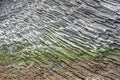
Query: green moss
x=59, y=52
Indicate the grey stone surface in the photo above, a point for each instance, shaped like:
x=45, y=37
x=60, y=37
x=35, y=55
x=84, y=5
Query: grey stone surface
x=92, y=23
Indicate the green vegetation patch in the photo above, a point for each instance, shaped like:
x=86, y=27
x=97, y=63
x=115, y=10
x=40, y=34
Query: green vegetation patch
x=54, y=48
x=52, y=54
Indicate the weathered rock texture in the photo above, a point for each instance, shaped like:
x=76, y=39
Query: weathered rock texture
x=62, y=30
x=90, y=22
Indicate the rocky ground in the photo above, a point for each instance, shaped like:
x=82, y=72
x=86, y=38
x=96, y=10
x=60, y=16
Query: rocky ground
x=87, y=22
x=82, y=70
x=59, y=39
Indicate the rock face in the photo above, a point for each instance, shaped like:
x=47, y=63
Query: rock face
x=87, y=22
x=67, y=35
